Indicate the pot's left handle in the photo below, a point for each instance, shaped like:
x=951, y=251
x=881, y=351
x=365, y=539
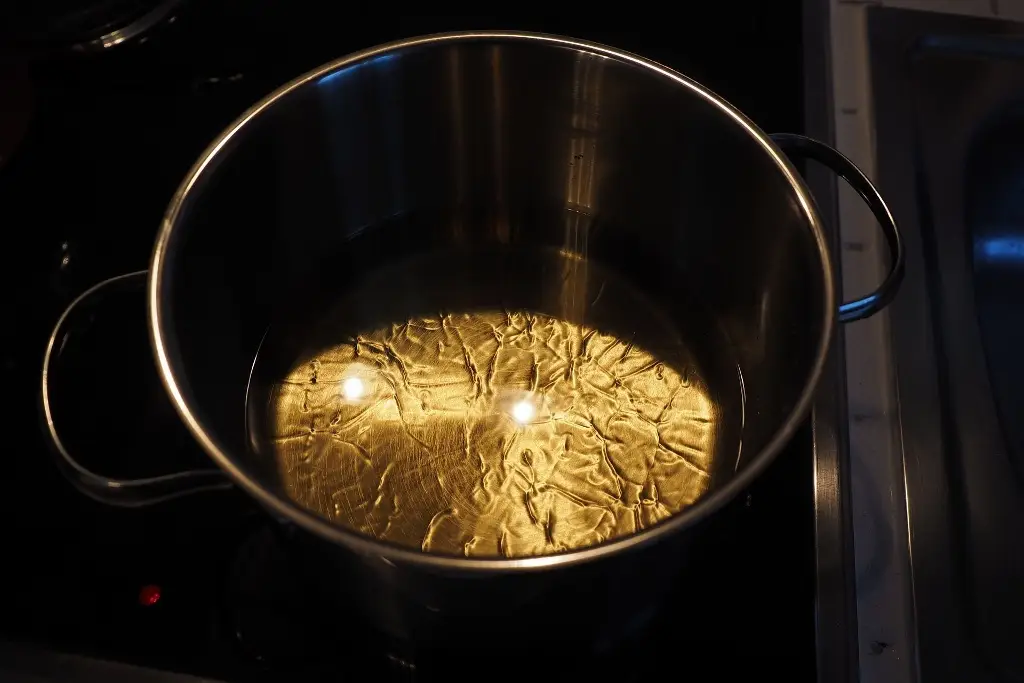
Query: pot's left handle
x=809, y=148
x=103, y=301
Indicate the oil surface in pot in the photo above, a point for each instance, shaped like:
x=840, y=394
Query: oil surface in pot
x=443, y=406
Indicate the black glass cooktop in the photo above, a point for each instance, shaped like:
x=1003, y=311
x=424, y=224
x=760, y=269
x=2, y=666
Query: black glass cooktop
x=206, y=585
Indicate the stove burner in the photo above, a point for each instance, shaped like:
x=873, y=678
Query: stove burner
x=276, y=618
x=91, y=25
x=267, y=603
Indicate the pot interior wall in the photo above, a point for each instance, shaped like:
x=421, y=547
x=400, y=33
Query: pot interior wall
x=467, y=146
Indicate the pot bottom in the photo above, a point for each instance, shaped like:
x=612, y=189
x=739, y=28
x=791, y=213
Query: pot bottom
x=494, y=403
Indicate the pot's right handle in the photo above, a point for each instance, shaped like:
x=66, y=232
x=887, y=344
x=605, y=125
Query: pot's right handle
x=809, y=148
x=118, y=492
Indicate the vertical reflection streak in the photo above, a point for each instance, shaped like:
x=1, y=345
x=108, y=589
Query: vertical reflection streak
x=585, y=125
x=586, y=116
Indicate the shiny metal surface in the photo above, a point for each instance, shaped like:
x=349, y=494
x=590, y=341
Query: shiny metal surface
x=40, y=30
x=835, y=590
x=949, y=159
x=163, y=11
x=463, y=125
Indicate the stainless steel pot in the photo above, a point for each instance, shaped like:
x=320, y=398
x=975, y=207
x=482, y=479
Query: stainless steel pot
x=512, y=139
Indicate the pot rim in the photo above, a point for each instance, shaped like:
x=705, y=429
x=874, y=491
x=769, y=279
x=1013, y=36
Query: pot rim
x=162, y=339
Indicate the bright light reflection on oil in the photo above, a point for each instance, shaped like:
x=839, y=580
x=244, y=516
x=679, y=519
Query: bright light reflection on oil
x=353, y=388
x=522, y=412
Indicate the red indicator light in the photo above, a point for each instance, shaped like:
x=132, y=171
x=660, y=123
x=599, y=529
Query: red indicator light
x=149, y=595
